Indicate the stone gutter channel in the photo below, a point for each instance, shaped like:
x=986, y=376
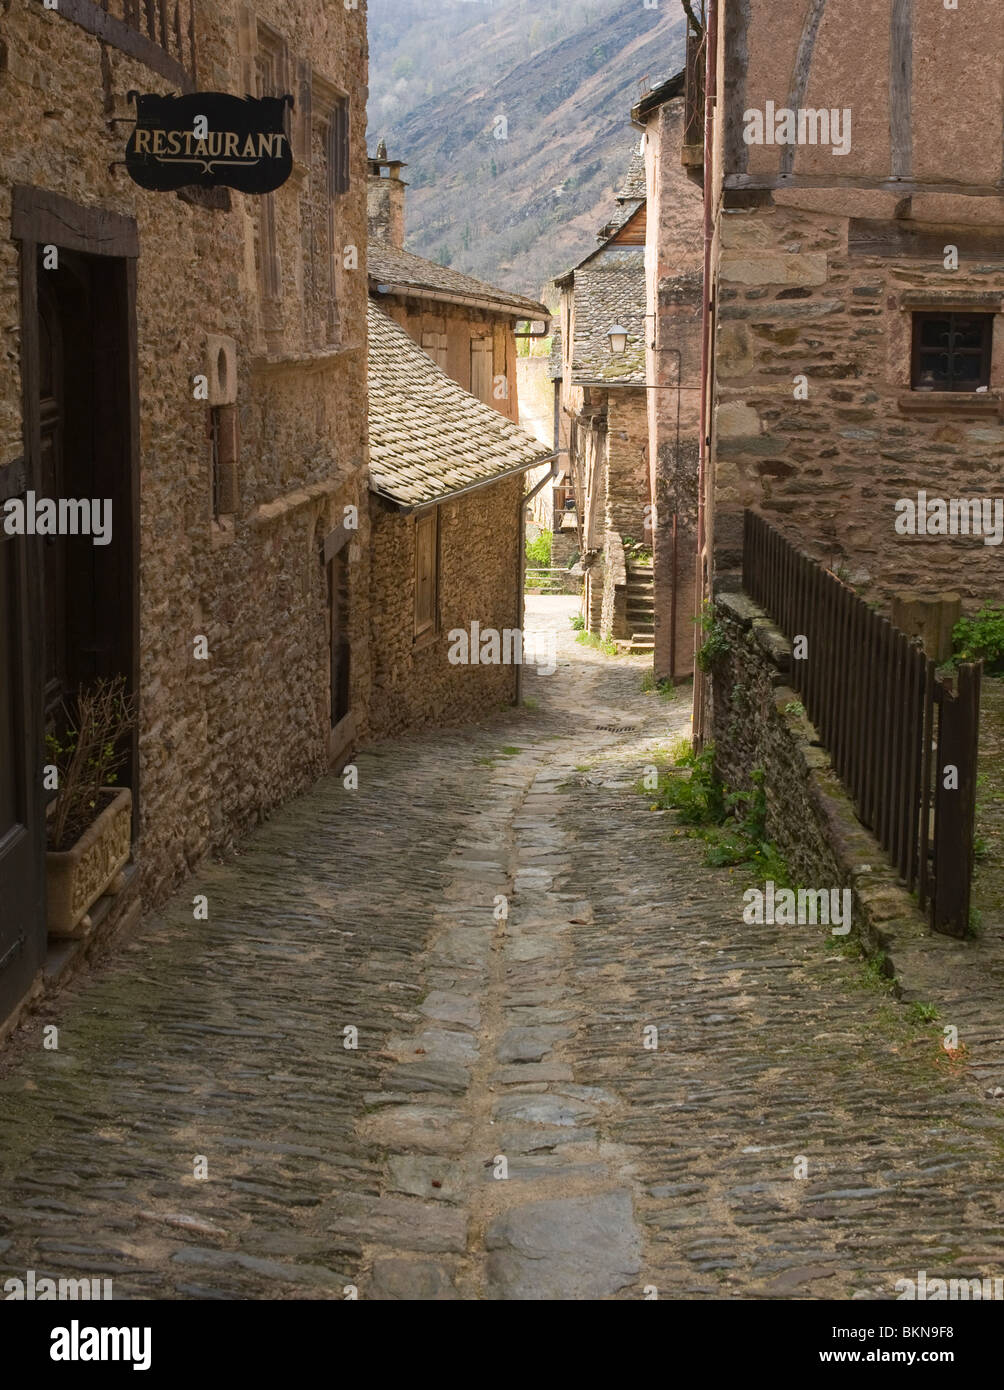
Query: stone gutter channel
x=481, y=1118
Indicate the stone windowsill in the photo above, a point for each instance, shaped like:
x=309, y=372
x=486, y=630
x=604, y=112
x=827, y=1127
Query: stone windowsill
x=222, y=532
x=953, y=402
x=267, y=512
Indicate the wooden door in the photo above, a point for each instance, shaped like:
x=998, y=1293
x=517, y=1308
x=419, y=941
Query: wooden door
x=335, y=556
x=22, y=868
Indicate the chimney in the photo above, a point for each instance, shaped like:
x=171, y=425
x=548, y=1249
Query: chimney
x=385, y=199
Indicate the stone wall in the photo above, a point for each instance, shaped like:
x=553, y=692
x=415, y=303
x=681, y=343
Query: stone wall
x=414, y=684
x=614, y=623
x=802, y=315
x=758, y=723
x=626, y=463
x=224, y=739
x=674, y=274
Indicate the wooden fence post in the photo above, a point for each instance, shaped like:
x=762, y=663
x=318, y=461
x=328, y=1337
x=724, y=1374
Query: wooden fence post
x=955, y=803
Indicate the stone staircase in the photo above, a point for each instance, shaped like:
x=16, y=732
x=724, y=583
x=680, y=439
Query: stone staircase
x=640, y=607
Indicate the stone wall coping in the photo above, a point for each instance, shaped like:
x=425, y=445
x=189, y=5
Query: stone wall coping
x=888, y=918
x=740, y=607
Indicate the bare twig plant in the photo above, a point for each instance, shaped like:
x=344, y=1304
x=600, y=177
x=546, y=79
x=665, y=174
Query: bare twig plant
x=89, y=756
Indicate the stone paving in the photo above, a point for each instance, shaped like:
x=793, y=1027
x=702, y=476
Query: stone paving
x=504, y=1128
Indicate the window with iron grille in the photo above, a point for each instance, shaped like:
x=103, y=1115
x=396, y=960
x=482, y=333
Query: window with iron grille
x=951, y=351
x=222, y=430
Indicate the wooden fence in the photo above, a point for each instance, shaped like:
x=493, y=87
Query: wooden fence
x=903, y=741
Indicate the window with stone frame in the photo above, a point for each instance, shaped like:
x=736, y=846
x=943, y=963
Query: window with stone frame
x=951, y=350
x=427, y=573
x=271, y=64
x=223, y=451
x=322, y=140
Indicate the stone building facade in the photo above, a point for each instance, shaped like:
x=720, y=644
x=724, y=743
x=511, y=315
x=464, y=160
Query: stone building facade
x=604, y=420
x=856, y=346
x=447, y=508
x=230, y=495
x=673, y=283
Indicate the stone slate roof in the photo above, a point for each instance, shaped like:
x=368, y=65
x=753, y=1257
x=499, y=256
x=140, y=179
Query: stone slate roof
x=388, y=265
x=554, y=363
x=429, y=438
x=633, y=187
x=609, y=290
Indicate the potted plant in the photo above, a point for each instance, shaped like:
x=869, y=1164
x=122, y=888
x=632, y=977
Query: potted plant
x=89, y=820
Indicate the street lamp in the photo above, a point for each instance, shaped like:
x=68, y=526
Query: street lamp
x=617, y=338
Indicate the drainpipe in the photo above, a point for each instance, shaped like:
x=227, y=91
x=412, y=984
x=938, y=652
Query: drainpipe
x=710, y=81
x=557, y=471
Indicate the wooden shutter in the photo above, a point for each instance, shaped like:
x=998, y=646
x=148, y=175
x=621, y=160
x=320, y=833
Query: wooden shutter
x=481, y=369
x=435, y=345
x=426, y=567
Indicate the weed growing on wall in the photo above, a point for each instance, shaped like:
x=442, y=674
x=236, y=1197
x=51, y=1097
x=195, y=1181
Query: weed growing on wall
x=981, y=638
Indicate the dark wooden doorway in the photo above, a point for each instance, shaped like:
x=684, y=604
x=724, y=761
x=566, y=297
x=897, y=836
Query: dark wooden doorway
x=84, y=418
x=22, y=868
x=338, y=634
x=68, y=608
x=335, y=557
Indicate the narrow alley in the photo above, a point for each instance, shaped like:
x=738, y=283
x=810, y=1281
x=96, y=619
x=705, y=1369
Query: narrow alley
x=504, y=1127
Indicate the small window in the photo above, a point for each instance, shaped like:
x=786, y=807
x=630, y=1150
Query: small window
x=427, y=573
x=338, y=138
x=951, y=352
x=223, y=459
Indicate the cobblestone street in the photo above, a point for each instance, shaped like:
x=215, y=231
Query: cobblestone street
x=501, y=1130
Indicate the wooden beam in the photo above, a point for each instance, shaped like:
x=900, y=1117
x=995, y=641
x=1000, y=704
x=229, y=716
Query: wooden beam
x=911, y=240
x=902, y=187
x=800, y=74
x=900, y=87
x=44, y=217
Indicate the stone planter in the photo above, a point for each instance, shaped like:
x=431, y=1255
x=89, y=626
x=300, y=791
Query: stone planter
x=76, y=878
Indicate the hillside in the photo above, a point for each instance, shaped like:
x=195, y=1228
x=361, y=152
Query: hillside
x=447, y=77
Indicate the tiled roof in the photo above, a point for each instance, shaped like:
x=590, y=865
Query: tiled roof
x=389, y=265
x=610, y=291
x=633, y=187
x=429, y=437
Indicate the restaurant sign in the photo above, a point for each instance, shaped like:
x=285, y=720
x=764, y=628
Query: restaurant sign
x=210, y=140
